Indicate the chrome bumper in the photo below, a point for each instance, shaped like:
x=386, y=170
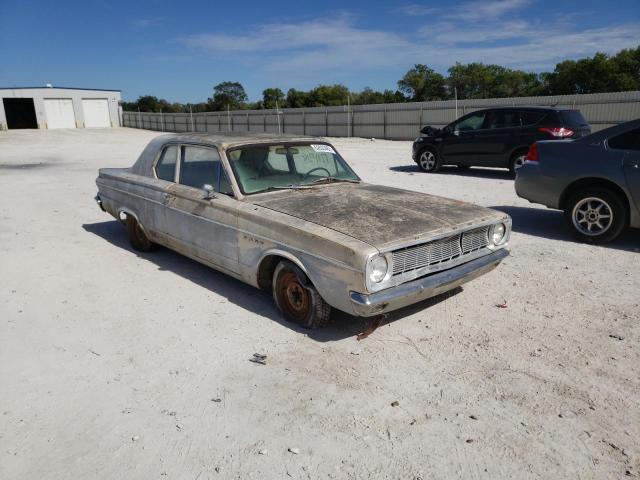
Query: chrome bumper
x=425, y=287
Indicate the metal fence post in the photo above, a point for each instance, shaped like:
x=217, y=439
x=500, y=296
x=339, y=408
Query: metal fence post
x=304, y=124
x=248, y=128
x=384, y=123
x=326, y=122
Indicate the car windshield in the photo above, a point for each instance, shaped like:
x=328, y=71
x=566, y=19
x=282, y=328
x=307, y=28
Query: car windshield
x=259, y=168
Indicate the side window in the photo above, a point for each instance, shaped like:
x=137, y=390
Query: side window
x=472, y=122
x=199, y=167
x=627, y=141
x=502, y=119
x=529, y=117
x=166, y=166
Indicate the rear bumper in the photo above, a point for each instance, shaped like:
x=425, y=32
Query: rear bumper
x=423, y=288
x=531, y=185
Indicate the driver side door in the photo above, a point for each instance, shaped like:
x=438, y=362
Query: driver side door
x=203, y=225
x=459, y=146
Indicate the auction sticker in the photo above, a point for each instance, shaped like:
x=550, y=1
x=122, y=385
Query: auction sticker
x=322, y=148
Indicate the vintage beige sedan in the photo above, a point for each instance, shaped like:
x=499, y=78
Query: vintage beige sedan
x=289, y=215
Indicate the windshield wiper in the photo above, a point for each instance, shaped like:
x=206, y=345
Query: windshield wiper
x=334, y=179
x=288, y=187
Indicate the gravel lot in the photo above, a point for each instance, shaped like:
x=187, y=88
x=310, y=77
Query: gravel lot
x=115, y=364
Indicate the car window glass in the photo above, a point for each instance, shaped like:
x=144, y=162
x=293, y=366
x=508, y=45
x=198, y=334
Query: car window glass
x=166, y=166
x=224, y=186
x=501, y=119
x=530, y=117
x=277, y=161
x=472, y=122
x=627, y=141
x=321, y=163
x=199, y=167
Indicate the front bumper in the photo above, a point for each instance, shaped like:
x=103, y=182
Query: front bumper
x=425, y=287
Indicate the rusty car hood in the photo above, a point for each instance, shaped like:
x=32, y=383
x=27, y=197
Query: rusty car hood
x=378, y=215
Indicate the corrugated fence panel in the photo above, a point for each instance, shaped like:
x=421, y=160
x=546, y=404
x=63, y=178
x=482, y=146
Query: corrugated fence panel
x=392, y=121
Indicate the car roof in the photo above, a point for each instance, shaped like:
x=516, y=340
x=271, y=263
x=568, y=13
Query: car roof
x=231, y=139
x=144, y=164
x=529, y=107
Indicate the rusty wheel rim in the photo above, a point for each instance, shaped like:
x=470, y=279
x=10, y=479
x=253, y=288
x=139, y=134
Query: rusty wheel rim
x=294, y=297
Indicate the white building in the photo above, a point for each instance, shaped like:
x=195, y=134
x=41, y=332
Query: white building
x=58, y=107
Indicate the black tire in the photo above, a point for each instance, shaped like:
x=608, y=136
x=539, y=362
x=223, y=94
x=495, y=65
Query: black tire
x=428, y=160
x=137, y=238
x=296, y=297
x=596, y=207
x=516, y=161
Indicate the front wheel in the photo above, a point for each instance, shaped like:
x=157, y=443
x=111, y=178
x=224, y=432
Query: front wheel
x=297, y=298
x=428, y=161
x=596, y=215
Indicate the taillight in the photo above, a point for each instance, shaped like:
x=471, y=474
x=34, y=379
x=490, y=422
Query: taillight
x=532, y=154
x=557, y=132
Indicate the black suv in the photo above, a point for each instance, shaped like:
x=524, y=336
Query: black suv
x=495, y=137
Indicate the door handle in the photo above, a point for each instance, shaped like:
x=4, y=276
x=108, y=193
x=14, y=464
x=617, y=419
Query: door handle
x=165, y=198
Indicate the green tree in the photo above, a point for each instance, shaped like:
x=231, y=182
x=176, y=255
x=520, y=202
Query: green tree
x=272, y=95
x=228, y=94
x=328, y=96
x=422, y=83
x=297, y=98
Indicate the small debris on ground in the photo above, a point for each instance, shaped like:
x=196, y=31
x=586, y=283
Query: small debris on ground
x=95, y=353
x=616, y=336
x=135, y=438
x=178, y=426
x=413, y=422
x=217, y=400
x=473, y=417
x=294, y=450
x=502, y=305
x=263, y=452
x=259, y=358
x=395, y=403
x=469, y=440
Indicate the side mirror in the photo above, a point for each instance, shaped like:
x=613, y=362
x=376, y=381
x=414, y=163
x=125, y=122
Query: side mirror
x=208, y=192
x=425, y=130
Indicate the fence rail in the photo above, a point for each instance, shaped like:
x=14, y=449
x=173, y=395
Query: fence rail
x=395, y=121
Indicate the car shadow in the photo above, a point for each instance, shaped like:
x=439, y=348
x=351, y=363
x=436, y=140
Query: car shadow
x=547, y=223
x=257, y=301
x=476, y=172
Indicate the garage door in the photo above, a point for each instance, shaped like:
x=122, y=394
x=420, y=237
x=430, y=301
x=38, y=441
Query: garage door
x=96, y=112
x=59, y=112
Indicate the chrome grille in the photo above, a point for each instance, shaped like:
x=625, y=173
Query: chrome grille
x=475, y=239
x=439, y=251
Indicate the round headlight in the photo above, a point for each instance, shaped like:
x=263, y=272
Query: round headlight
x=498, y=234
x=378, y=269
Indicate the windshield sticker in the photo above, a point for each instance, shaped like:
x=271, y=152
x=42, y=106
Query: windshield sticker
x=323, y=148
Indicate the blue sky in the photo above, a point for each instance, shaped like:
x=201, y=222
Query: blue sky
x=179, y=50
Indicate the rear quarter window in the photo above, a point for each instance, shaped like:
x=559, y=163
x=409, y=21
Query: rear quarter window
x=573, y=118
x=626, y=141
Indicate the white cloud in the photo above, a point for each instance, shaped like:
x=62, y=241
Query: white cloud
x=147, y=22
x=311, y=51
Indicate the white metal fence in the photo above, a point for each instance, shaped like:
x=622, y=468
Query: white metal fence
x=397, y=121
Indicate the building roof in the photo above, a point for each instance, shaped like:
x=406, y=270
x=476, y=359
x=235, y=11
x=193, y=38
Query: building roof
x=62, y=88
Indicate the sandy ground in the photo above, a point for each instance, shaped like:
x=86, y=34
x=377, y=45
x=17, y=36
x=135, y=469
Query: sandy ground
x=120, y=365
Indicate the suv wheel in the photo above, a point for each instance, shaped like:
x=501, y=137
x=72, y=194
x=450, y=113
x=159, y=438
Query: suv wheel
x=517, y=160
x=596, y=215
x=428, y=161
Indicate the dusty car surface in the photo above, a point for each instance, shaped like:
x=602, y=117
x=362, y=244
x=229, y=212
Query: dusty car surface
x=290, y=215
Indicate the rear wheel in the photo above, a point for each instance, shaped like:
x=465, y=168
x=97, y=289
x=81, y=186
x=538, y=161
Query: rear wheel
x=297, y=298
x=596, y=215
x=138, y=239
x=517, y=161
x=428, y=161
